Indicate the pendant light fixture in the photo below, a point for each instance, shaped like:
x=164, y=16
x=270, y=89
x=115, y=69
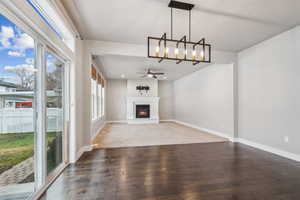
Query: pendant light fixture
x=164, y=48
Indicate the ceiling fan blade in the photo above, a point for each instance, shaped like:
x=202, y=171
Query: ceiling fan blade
x=158, y=73
x=154, y=76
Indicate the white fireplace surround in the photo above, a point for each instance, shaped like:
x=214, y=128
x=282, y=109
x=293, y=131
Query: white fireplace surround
x=131, y=109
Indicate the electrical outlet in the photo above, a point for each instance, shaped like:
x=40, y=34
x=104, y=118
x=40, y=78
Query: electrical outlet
x=286, y=139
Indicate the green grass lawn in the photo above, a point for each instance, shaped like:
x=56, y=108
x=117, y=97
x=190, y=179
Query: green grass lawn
x=16, y=147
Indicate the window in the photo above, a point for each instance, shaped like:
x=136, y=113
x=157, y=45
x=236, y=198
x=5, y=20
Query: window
x=97, y=94
x=17, y=108
x=103, y=100
x=94, y=93
x=94, y=98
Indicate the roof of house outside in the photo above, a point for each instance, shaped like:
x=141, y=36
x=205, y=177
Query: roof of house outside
x=7, y=84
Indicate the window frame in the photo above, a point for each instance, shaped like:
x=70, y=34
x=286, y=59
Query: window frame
x=45, y=18
x=57, y=22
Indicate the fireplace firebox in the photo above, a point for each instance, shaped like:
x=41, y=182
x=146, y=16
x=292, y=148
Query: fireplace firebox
x=142, y=111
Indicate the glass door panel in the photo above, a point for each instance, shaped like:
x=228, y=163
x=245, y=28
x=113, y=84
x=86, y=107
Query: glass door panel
x=55, y=111
x=17, y=111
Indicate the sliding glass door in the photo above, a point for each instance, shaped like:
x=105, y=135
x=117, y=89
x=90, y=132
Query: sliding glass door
x=55, y=111
x=33, y=112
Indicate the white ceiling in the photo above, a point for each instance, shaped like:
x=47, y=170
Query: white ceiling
x=230, y=25
x=113, y=66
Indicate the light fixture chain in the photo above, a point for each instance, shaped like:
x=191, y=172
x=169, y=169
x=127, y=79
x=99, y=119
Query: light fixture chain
x=190, y=26
x=171, y=23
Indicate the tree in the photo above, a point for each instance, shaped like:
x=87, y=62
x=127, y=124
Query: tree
x=25, y=72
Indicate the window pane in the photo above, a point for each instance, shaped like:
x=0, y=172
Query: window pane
x=99, y=100
x=94, y=99
x=17, y=96
x=55, y=118
x=103, y=101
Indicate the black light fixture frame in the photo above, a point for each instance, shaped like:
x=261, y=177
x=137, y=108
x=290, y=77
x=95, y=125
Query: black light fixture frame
x=183, y=40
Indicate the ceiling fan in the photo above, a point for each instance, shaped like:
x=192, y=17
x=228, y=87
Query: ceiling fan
x=151, y=74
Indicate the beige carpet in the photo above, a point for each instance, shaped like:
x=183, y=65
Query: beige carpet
x=166, y=133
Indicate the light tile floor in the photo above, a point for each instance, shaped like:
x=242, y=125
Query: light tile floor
x=131, y=135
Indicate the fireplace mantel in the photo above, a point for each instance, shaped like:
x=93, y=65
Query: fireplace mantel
x=131, y=106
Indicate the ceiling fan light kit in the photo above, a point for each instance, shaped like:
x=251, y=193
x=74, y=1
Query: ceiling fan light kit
x=151, y=74
x=179, y=50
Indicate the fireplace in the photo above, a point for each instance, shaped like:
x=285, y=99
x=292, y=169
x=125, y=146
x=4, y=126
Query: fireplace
x=142, y=111
x=149, y=107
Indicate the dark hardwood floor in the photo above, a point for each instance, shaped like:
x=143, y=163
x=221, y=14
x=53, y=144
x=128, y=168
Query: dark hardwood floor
x=213, y=171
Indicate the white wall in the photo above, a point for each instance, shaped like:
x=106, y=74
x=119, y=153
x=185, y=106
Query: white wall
x=166, y=95
x=132, y=84
x=85, y=127
x=116, y=100
x=117, y=92
x=76, y=102
x=205, y=99
x=85, y=97
x=269, y=92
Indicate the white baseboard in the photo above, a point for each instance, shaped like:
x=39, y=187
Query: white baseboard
x=139, y=121
x=82, y=150
x=205, y=130
x=167, y=120
x=143, y=121
x=269, y=149
x=125, y=121
x=117, y=121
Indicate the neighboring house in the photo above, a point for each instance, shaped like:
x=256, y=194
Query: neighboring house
x=11, y=96
x=7, y=86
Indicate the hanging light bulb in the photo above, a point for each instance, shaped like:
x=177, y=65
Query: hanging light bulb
x=176, y=51
x=202, y=55
x=166, y=52
x=157, y=51
x=194, y=54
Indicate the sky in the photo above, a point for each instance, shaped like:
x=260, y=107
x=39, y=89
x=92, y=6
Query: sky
x=17, y=52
